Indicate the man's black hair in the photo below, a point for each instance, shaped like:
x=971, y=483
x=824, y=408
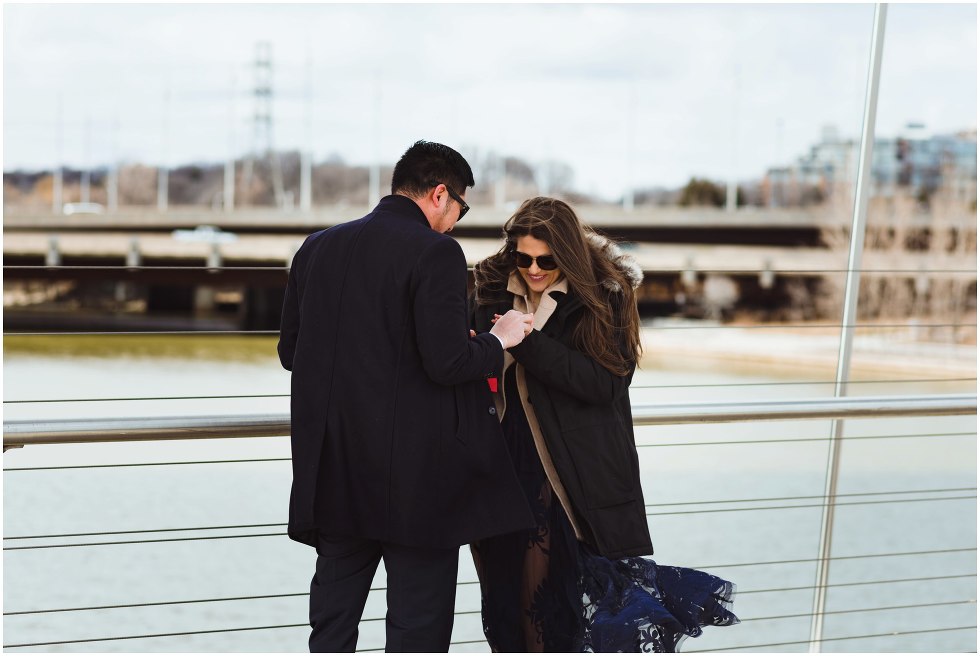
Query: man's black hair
x=426, y=164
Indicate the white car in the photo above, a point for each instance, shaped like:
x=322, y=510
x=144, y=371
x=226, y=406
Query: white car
x=82, y=208
x=205, y=233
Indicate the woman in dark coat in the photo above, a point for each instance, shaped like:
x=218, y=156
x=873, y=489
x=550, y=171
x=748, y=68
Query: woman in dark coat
x=576, y=582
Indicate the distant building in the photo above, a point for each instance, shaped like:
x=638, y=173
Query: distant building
x=910, y=163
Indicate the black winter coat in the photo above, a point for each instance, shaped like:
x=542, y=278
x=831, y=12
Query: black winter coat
x=394, y=432
x=584, y=414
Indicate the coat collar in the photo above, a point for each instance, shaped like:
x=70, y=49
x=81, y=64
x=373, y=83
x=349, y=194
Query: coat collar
x=398, y=204
x=550, y=298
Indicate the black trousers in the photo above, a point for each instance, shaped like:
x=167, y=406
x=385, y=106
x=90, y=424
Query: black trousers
x=421, y=594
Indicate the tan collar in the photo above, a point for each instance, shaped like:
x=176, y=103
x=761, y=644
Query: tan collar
x=547, y=305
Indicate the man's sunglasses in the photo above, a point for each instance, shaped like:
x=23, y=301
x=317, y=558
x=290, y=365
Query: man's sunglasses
x=524, y=261
x=463, y=207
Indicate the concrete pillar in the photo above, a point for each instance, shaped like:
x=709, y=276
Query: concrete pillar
x=134, y=257
x=203, y=299
x=53, y=256
x=163, y=184
x=214, y=257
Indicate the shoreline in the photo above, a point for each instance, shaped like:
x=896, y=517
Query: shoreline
x=771, y=348
x=792, y=350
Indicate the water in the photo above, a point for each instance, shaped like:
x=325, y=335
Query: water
x=680, y=464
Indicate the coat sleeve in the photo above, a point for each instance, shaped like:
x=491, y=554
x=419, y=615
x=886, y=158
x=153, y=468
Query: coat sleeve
x=289, y=324
x=449, y=355
x=569, y=370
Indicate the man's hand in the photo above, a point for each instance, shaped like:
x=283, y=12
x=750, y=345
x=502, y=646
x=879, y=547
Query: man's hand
x=511, y=328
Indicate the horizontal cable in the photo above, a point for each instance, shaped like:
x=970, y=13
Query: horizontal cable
x=187, y=601
x=204, y=267
x=459, y=612
x=857, y=637
x=183, y=633
x=168, y=530
x=131, y=333
x=136, y=333
x=277, y=524
x=857, y=326
x=806, y=439
x=465, y=642
x=191, y=601
x=808, y=505
x=459, y=583
x=930, y=552
x=782, y=384
x=149, y=530
x=801, y=498
x=632, y=387
x=699, y=270
x=856, y=583
x=261, y=535
x=138, y=267
x=23, y=432
x=156, y=398
x=851, y=611
x=147, y=464
x=248, y=460
x=103, y=544
x=156, y=603
x=157, y=635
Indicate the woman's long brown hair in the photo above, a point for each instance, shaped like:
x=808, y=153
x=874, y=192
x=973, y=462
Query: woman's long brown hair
x=590, y=274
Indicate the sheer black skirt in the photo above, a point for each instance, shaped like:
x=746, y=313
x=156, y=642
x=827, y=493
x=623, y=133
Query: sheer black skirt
x=543, y=590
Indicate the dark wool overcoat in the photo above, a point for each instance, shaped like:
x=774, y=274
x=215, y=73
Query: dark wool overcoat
x=394, y=431
x=583, y=411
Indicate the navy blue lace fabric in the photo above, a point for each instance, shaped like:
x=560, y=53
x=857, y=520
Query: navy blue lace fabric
x=544, y=591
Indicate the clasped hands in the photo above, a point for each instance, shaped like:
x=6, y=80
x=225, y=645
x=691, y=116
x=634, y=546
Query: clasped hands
x=511, y=328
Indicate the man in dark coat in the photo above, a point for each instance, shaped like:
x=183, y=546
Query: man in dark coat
x=396, y=449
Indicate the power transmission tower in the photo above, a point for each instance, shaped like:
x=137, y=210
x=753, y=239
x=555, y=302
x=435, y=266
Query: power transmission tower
x=262, y=141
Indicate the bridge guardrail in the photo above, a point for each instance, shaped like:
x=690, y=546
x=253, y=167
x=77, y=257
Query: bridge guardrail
x=21, y=433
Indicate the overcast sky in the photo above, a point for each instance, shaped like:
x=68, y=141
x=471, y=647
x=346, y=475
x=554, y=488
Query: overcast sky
x=625, y=94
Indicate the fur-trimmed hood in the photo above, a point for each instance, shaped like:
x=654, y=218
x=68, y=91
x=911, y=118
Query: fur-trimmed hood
x=623, y=261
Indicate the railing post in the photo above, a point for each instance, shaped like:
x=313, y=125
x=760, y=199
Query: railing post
x=852, y=287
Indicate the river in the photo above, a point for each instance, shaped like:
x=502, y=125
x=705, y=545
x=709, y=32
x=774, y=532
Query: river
x=695, y=477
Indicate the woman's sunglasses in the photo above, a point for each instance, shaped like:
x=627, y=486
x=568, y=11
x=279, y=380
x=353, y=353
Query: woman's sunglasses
x=524, y=261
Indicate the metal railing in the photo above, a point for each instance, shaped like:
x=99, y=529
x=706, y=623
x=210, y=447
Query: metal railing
x=73, y=431
x=18, y=433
